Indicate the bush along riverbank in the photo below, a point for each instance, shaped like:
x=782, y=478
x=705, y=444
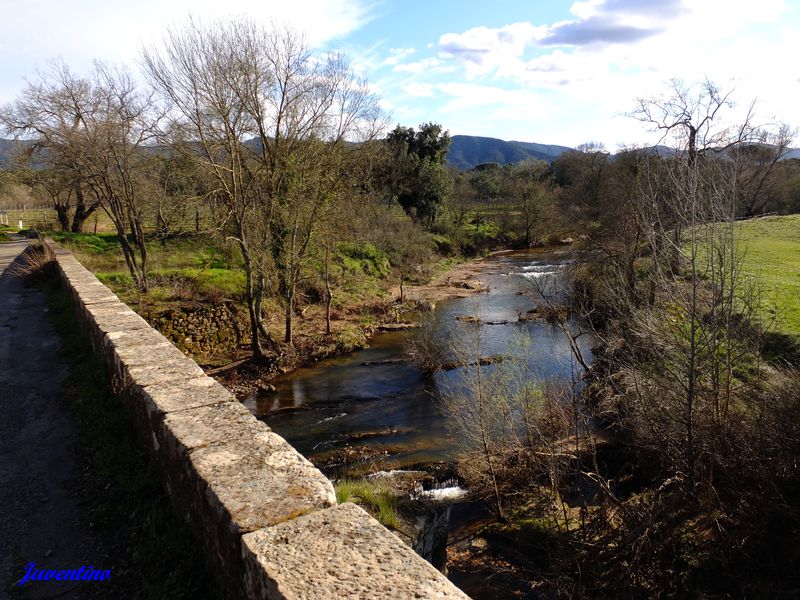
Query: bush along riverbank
x=684, y=483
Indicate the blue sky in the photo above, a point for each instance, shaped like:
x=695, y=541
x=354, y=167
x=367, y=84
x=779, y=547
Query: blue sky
x=561, y=72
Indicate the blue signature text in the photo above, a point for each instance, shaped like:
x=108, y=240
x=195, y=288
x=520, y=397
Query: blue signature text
x=83, y=574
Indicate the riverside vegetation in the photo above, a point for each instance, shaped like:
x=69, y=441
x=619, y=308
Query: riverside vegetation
x=666, y=469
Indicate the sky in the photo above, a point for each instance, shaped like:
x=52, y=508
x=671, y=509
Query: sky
x=547, y=71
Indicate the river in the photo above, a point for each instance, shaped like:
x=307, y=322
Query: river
x=374, y=410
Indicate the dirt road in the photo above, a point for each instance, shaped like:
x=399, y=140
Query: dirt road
x=43, y=519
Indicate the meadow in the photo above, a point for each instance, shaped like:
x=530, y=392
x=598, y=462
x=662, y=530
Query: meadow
x=770, y=249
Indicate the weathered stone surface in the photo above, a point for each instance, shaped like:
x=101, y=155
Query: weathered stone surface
x=135, y=340
x=154, y=370
x=183, y=395
x=341, y=552
x=259, y=478
x=114, y=317
x=231, y=475
x=202, y=426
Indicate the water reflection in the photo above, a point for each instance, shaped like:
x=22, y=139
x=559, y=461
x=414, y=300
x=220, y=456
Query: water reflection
x=384, y=409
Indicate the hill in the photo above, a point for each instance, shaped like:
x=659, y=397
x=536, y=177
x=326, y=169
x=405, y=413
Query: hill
x=468, y=151
x=7, y=148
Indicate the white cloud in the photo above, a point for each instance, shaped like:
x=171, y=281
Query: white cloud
x=615, y=51
x=483, y=50
x=493, y=101
x=386, y=105
x=398, y=54
x=419, y=90
x=31, y=32
x=418, y=66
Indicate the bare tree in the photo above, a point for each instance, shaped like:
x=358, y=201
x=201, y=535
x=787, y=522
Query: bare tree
x=93, y=133
x=272, y=121
x=532, y=198
x=700, y=327
x=114, y=160
x=756, y=162
x=50, y=118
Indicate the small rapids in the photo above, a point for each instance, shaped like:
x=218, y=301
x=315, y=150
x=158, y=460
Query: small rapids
x=446, y=491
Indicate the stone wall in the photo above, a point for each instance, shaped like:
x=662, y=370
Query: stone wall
x=267, y=519
x=202, y=329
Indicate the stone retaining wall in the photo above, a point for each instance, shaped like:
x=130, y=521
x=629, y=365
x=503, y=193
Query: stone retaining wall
x=202, y=330
x=267, y=519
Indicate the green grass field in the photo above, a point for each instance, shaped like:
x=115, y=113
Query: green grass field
x=190, y=268
x=771, y=253
x=195, y=268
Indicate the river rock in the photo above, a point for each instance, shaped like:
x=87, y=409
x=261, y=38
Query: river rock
x=424, y=526
x=467, y=319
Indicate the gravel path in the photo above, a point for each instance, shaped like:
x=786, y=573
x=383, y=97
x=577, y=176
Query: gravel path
x=43, y=519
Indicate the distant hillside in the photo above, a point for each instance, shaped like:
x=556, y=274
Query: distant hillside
x=6, y=152
x=548, y=152
x=8, y=148
x=468, y=151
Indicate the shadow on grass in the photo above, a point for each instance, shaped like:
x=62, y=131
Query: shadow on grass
x=781, y=349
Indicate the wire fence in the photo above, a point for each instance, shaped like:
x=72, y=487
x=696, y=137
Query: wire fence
x=28, y=218
x=196, y=220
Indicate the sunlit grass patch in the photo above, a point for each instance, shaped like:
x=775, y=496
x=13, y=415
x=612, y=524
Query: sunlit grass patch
x=377, y=497
x=771, y=253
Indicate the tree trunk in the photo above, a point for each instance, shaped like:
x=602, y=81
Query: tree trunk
x=62, y=212
x=82, y=212
x=252, y=302
x=328, y=293
x=328, y=302
x=288, y=316
x=259, y=300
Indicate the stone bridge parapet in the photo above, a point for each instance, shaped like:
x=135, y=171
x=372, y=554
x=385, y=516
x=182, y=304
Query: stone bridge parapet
x=267, y=518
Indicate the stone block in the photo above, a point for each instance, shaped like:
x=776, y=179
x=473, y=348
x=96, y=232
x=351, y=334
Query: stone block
x=160, y=400
x=229, y=474
x=337, y=553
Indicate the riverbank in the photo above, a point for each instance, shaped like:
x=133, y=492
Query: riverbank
x=352, y=326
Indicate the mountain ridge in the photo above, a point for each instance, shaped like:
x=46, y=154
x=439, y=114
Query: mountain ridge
x=468, y=151
x=465, y=153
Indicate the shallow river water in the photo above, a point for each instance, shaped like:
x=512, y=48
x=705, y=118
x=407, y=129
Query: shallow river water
x=357, y=413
